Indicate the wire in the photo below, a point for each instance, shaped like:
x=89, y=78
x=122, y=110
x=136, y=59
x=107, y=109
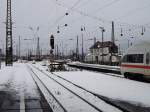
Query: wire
x=133, y=11
x=105, y=6
x=85, y=3
x=76, y=3
x=73, y=9
x=95, y=17
x=69, y=9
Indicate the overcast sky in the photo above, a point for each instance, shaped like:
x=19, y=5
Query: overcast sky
x=49, y=14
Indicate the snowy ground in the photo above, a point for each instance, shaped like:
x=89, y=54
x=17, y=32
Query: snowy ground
x=113, y=87
x=17, y=89
x=70, y=101
x=16, y=84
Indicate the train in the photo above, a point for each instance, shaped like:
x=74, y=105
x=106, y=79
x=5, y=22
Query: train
x=135, y=63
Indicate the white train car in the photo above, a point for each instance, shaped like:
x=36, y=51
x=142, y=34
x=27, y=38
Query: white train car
x=135, y=63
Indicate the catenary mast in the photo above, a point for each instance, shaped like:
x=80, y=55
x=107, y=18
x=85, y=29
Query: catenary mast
x=9, y=49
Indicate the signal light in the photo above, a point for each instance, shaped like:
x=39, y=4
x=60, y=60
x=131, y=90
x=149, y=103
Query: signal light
x=52, y=42
x=66, y=14
x=121, y=32
x=66, y=24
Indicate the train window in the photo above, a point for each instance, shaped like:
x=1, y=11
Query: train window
x=147, y=58
x=133, y=58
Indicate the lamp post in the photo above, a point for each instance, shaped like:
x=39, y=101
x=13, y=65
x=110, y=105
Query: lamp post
x=82, y=29
x=36, y=37
x=103, y=30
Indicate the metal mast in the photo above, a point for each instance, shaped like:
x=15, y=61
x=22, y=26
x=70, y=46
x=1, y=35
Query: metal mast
x=9, y=49
x=112, y=33
x=82, y=49
x=19, y=48
x=77, y=49
x=38, y=49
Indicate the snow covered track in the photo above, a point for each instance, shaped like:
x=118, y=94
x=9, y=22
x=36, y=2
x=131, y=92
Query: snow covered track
x=53, y=102
x=92, y=99
x=71, y=101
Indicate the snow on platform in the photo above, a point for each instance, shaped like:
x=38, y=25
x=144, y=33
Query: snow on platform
x=113, y=87
x=19, y=78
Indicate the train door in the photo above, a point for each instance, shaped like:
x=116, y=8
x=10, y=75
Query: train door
x=147, y=64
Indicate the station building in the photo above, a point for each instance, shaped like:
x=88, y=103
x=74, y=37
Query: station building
x=103, y=53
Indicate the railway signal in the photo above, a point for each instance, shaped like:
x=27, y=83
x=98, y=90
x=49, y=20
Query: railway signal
x=52, y=42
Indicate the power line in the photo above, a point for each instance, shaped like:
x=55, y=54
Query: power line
x=61, y=17
x=129, y=13
x=105, y=6
x=76, y=3
x=85, y=3
x=95, y=17
x=101, y=8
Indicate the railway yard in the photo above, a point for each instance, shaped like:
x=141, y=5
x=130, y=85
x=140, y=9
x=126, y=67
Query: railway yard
x=28, y=87
x=74, y=56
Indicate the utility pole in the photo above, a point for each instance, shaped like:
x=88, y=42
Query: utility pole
x=57, y=51
x=62, y=50
x=9, y=47
x=113, y=41
x=82, y=49
x=77, y=49
x=38, y=49
x=94, y=40
x=51, y=53
x=103, y=30
x=113, y=34
x=19, y=48
x=16, y=51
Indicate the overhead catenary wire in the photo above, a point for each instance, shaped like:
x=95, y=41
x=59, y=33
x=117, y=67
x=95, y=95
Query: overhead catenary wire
x=97, y=18
x=66, y=13
x=105, y=6
x=101, y=8
x=84, y=3
x=134, y=11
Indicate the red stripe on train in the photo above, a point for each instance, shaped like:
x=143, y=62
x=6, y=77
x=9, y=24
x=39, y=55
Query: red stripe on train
x=135, y=66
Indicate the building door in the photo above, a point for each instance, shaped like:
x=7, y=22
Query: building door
x=96, y=59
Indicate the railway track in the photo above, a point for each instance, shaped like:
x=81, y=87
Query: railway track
x=55, y=105
x=84, y=94
x=80, y=104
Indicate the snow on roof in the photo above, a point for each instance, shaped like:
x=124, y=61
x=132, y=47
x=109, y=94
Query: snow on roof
x=105, y=44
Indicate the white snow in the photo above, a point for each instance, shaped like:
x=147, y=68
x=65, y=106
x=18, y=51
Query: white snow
x=118, y=88
x=71, y=102
x=113, y=87
x=19, y=78
x=110, y=86
x=88, y=96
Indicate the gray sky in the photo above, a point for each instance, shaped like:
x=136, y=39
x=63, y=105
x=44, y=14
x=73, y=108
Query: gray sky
x=49, y=14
